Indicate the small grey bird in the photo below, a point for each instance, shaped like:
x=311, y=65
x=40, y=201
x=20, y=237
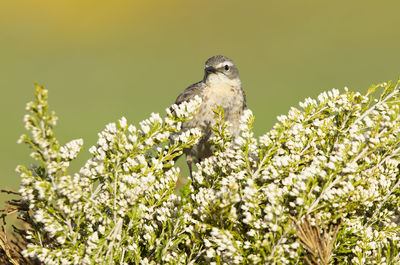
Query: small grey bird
x=221, y=86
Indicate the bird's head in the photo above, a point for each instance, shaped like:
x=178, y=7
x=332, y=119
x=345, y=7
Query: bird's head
x=220, y=69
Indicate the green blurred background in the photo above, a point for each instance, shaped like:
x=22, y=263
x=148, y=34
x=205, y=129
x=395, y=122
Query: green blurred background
x=102, y=60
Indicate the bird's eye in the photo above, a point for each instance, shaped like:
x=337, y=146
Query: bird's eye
x=226, y=67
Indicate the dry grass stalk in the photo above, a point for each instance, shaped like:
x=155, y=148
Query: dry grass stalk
x=10, y=249
x=316, y=239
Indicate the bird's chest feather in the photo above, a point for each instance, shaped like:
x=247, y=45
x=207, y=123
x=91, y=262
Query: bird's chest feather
x=225, y=95
x=221, y=95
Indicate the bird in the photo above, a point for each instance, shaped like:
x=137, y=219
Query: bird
x=221, y=87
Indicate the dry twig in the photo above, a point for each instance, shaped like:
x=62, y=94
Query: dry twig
x=316, y=239
x=10, y=250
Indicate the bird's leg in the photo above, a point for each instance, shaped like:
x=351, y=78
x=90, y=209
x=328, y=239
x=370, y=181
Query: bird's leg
x=189, y=161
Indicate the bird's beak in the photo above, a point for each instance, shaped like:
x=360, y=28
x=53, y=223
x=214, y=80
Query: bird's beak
x=210, y=69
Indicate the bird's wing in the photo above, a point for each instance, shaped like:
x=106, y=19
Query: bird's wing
x=244, y=99
x=190, y=92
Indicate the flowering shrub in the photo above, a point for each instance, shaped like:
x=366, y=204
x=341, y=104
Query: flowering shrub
x=322, y=187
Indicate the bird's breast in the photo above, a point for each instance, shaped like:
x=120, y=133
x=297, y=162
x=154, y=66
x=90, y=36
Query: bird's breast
x=227, y=96
x=221, y=95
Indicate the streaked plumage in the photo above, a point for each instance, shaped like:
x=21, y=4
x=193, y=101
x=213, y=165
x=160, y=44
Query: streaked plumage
x=221, y=86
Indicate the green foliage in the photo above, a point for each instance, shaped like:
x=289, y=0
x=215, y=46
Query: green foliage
x=332, y=163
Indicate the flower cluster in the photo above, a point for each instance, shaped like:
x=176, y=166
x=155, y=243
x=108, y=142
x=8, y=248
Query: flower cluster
x=338, y=158
x=333, y=162
x=121, y=207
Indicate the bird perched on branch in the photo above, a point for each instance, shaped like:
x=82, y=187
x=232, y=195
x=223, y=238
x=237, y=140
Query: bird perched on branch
x=221, y=86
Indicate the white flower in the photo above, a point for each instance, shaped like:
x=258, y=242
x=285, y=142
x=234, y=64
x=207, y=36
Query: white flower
x=123, y=122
